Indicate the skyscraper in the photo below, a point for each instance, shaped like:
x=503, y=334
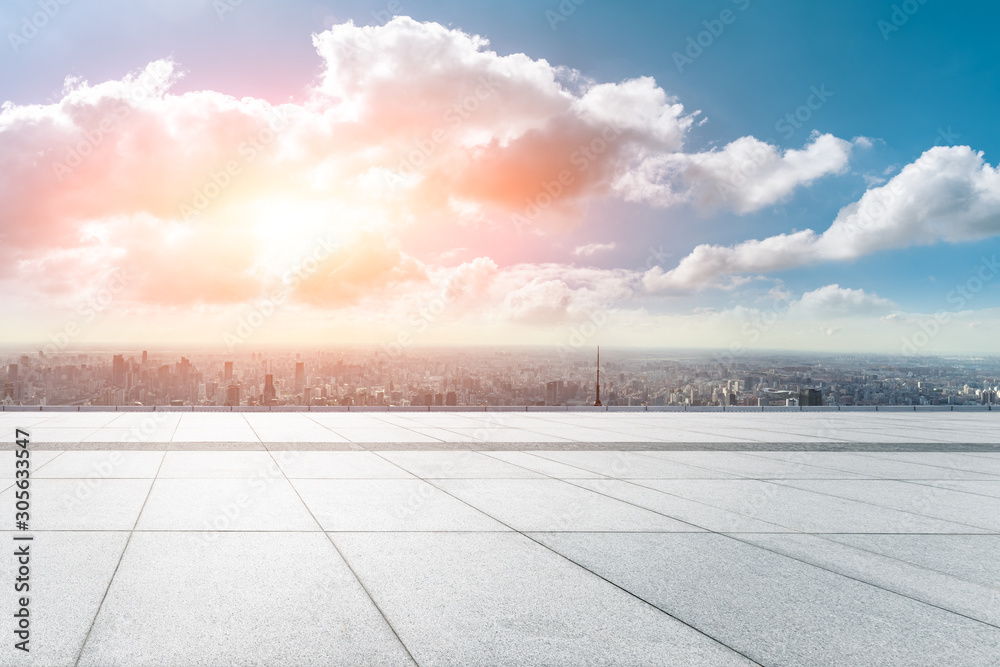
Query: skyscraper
x=118, y=371
x=12, y=389
x=300, y=376
x=233, y=395
x=270, y=394
x=228, y=372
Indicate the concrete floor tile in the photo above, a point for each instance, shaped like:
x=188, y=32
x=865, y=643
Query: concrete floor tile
x=388, y=505
x=217, y=464
x=550, y=504
x=102, y=464
x=500, y=599
x=70, y=571
x=802, y=510
x=919, y=499
x=697, y=514
x=456, y=465
x=83, y=504
x=777, y=610
x=337, y=465
x=261, y=504
x=245, y=598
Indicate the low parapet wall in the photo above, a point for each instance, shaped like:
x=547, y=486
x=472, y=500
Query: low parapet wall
x=497, y=408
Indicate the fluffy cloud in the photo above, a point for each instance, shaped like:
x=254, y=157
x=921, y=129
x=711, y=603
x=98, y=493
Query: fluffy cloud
x=948, y=194
x=834, y=301
x=409, y=124
x=745, y=176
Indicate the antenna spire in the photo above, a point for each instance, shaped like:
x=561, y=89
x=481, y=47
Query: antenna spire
x=597, y=403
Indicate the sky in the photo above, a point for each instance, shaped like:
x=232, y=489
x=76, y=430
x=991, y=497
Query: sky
x=735, y=174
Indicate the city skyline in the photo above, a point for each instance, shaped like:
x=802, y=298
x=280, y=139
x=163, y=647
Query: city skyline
x=491, y=377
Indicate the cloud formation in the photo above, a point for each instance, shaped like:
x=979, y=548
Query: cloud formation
x=408, y=124
x=949, y=194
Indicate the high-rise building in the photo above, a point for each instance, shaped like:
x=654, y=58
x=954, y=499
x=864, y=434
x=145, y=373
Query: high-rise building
x=118, y=371
x=270, y=394
x=810, y=397
x=12, y=379
x=228, y=377
x=145, y=357
x=554, y=392
x=233, y=395
x=300, y=376
x=451, y=398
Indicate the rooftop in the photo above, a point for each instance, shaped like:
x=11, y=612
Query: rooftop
x=681, y=538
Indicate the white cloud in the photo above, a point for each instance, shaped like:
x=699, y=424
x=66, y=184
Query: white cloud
x=593, y=248
x=949, y=194
x=833, y=301
x=745, y=176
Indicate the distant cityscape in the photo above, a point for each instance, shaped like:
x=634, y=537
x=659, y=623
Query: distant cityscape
x=490, y=377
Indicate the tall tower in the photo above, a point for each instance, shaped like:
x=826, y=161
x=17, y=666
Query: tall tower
x=300, y=377
x=597, y=403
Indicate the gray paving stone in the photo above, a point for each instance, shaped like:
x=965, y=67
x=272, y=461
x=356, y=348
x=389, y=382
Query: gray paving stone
x=260, y=504
x=550, y=504
x=970, y=510
x=776, y=610
x=500, y=599
x=456, y=465
x=973, y=558
x=69, y=573
x=83, y=504
x=975, y=600
x=242, y=599
x=632, y=465
x=803, y=510
x=697, y=514
x=388, y=505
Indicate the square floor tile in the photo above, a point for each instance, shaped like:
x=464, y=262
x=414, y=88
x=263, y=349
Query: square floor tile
x=243, y=599
x=337, y=465
x=550, y=504
x=387, y=505
x=456, y=464
x=217, y=464
x=263, y=503
x=83, y=504
x=501, y=599
x=777, y=610
x=70, y=571
x=102, y=464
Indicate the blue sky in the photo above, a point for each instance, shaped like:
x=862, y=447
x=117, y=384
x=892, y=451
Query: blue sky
x=932, y=81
